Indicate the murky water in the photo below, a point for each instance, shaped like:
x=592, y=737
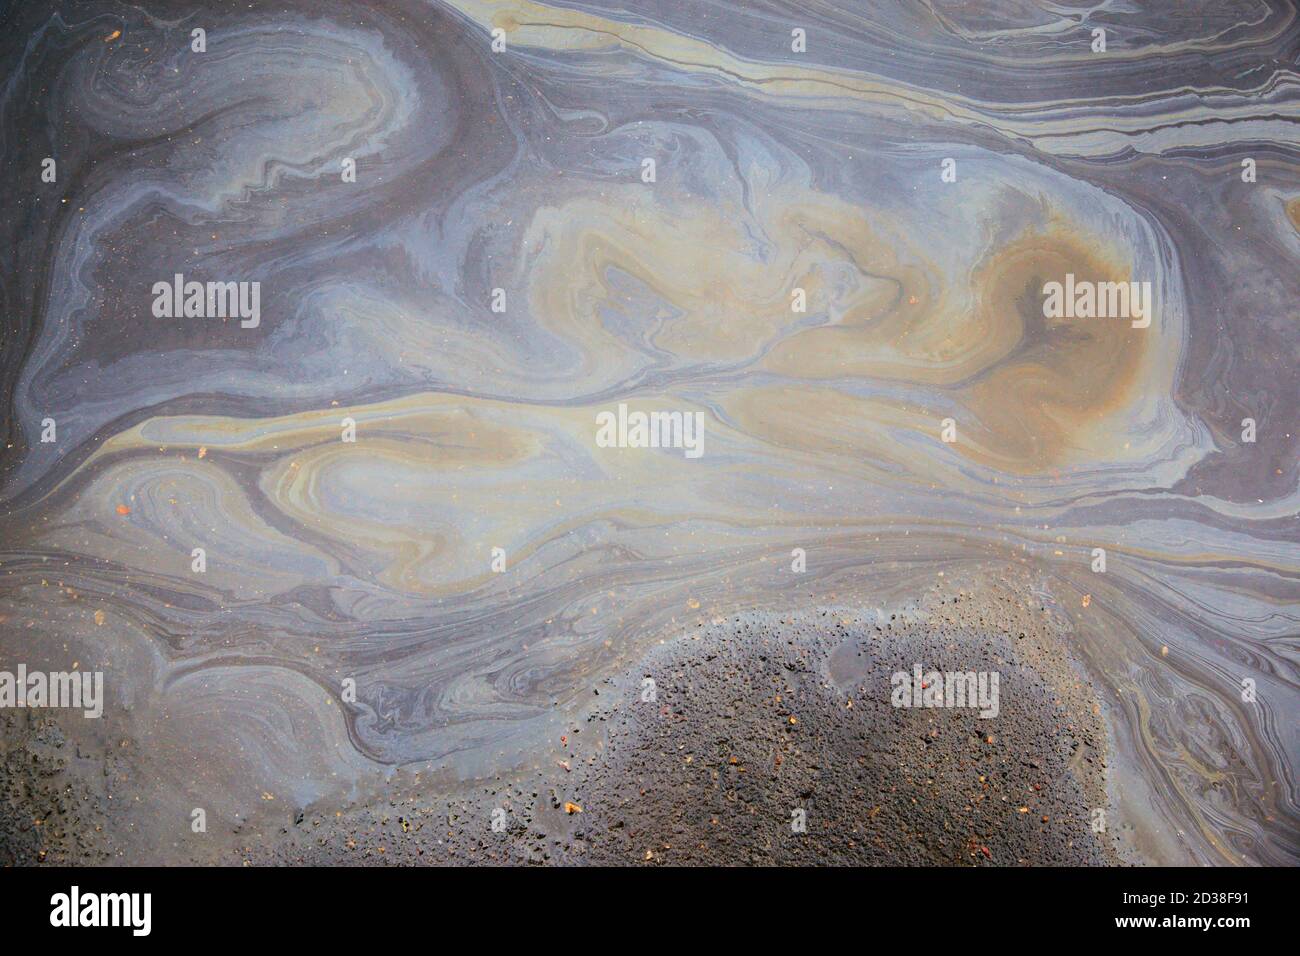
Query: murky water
x=518, y=180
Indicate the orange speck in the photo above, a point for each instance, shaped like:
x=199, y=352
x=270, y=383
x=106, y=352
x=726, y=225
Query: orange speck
x=202, y=452
x=112, y=36
x=123, y=510
x=1087, y=599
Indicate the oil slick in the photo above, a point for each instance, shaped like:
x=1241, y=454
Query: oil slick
x=424, y=469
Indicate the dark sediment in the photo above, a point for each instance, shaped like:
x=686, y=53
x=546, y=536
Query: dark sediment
x=755, y=721
x=54, y=799
x=758, y=719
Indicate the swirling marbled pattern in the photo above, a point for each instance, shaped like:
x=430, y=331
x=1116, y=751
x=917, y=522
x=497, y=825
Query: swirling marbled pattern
x=521, y=170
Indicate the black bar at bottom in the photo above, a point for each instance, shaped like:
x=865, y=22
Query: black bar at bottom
x=350, y=906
